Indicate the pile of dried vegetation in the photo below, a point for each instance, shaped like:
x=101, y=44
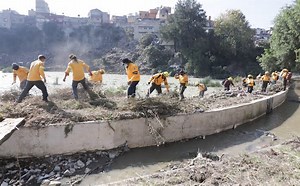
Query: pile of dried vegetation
x=111, y=105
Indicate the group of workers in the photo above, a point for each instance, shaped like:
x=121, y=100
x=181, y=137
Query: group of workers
x=35, y=76
x=266, y=79
x=155, y=82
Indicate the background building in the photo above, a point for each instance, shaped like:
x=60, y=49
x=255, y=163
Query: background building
x=10, y=18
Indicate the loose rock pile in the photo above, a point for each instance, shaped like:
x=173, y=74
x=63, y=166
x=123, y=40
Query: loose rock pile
x=50, y=170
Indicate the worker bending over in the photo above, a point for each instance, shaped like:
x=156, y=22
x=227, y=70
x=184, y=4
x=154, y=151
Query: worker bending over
x=156, y=80
x=20, y=72
x=78, y=66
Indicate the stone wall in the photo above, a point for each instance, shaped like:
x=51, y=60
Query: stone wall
x=104, y=135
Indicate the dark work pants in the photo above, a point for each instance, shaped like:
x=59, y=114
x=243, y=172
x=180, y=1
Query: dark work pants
x=250, y=89
x=132, y=88
x=264, y=86
x=226, y=88
x=284, y=83
x=29, y=84
x=75, y=85
x=23, y=84
x=201, y=94
x=182, y=89
x=154, y=87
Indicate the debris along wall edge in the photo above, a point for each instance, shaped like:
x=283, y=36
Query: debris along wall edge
x=105, y=135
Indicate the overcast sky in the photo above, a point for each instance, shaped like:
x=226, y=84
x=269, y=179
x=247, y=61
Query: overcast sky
x=260, y=13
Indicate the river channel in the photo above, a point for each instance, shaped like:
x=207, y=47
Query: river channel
x=281, y=124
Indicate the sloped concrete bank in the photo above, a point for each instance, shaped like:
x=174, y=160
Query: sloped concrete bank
x=104, y=135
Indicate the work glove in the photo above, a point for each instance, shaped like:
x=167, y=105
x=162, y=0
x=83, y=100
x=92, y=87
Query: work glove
x=129, y=82
x=148, y=83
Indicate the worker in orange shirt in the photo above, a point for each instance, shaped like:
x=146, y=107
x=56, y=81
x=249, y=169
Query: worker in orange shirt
x=284, y=76
x=156, y=80
x=34, y=78
x=183, y=80
x=266, y=80
x=97, y=76
x=250, y=83
x=202, y=88
x=20, y=72
x=275, y=77
x=133, y=77
x=77, y=67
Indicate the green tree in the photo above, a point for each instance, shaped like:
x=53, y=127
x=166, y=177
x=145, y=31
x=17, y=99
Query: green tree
x=186, y=28
x=157, y=57
x=236, y=46
x=285, y=40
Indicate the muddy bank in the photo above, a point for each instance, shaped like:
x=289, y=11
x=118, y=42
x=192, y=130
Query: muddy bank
x=273, y=165
x=113, y=105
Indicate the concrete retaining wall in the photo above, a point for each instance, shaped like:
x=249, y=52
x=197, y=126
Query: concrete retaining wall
x=89, y=136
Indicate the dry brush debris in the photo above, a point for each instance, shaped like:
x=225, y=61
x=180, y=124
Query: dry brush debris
x=62, y=108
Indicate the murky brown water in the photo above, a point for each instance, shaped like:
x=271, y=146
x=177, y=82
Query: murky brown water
x=283, y=123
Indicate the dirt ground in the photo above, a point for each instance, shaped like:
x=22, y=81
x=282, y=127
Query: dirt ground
x=113, y=105
x=274, y=165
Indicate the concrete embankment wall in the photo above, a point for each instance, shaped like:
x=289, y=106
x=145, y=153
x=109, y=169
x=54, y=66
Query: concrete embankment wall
x=104, y=135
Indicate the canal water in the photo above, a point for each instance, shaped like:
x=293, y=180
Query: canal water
x=281, y=124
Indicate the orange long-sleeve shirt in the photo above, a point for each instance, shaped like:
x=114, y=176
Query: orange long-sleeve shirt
x=96, y=77
x=21, y=73
x=183, y=79
x=250, y=82
x=77, y=67
x=201, y=87
x=158, y=79
x=266, y=78
x=36, y=71
x=133, y=73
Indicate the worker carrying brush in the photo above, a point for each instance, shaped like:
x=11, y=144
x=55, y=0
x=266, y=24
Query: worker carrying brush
x=20, y=72
x=133, y=77
x=78, y=66
x=156, y=80
x=183, y=80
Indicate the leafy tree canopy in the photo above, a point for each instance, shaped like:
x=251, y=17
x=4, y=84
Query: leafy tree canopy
x=284, y=41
